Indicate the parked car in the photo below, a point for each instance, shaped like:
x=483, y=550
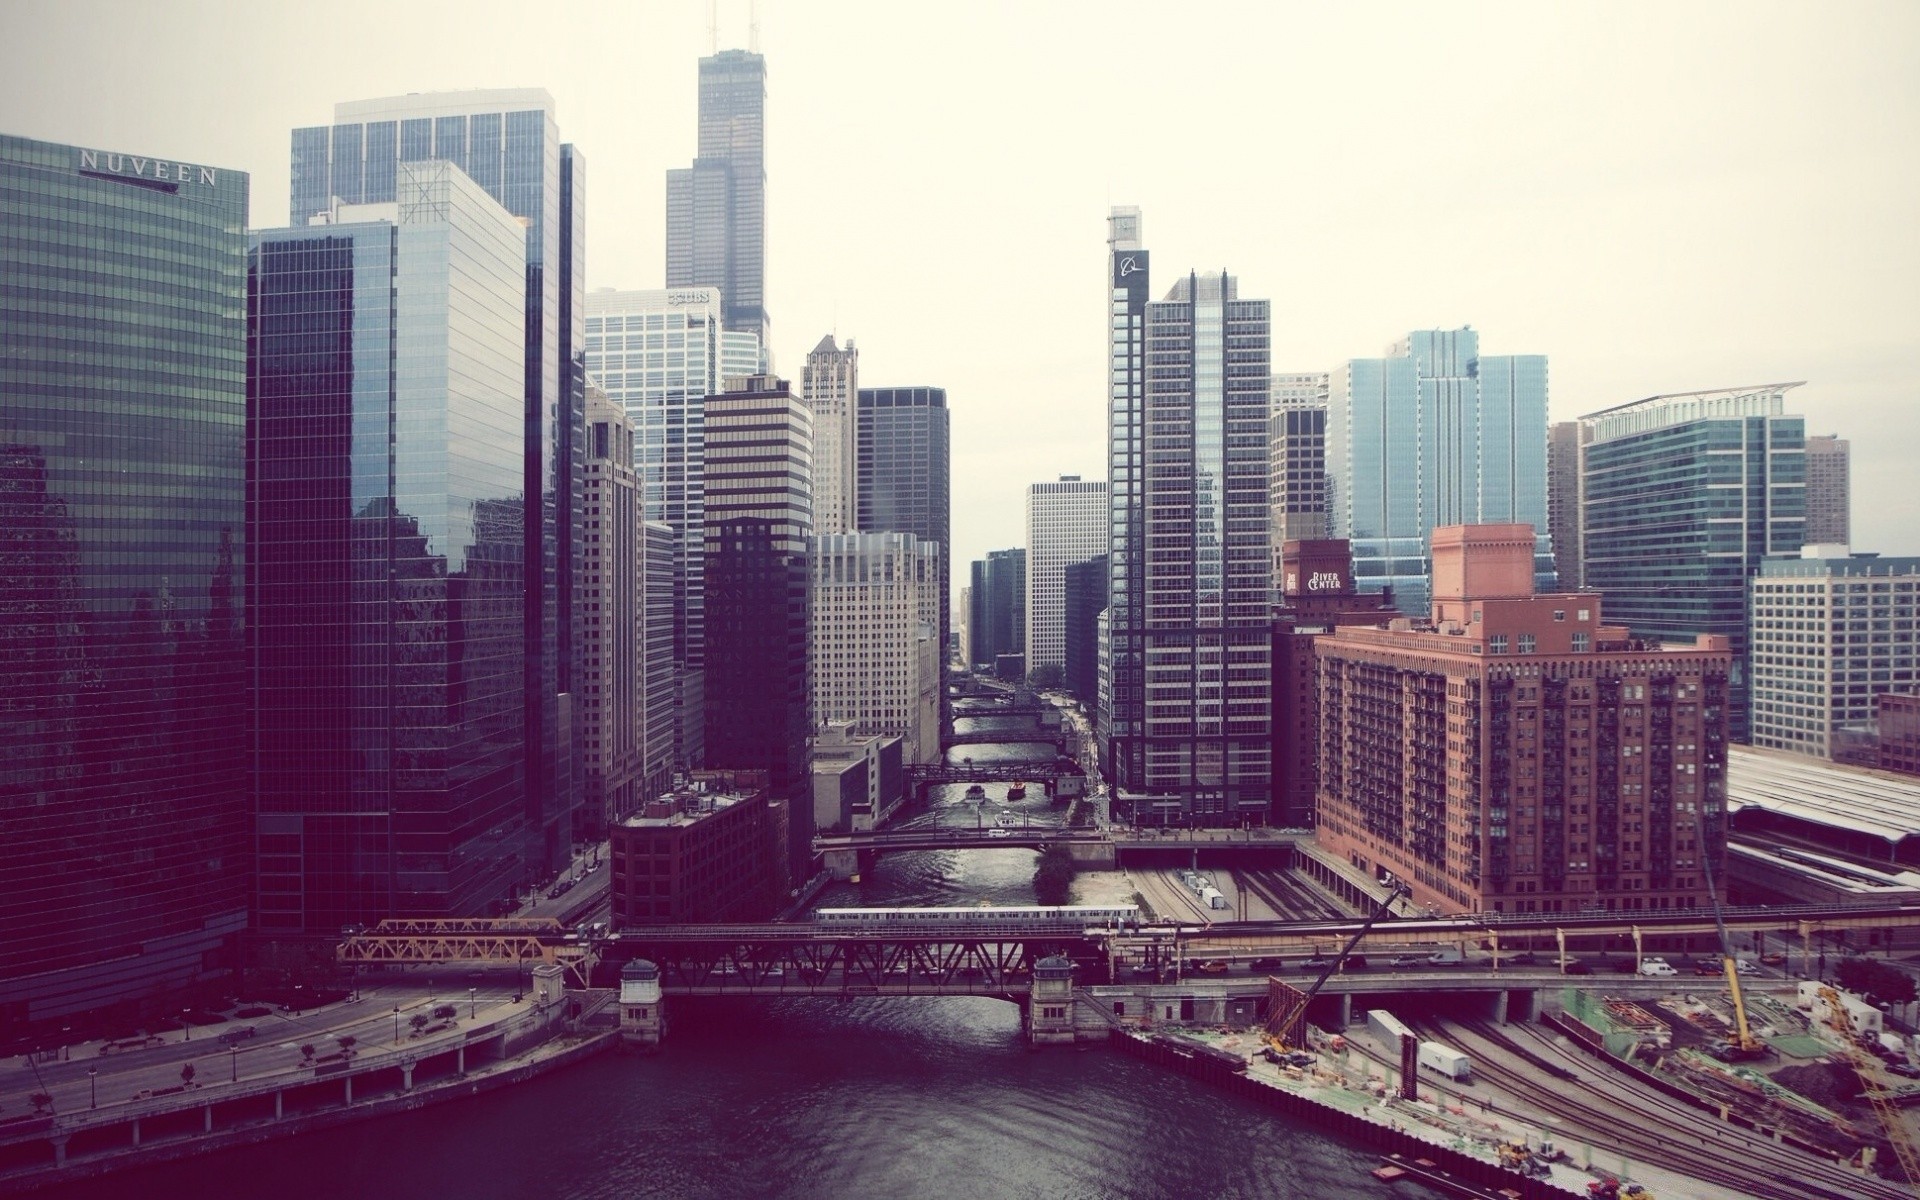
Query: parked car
x=1576, y=967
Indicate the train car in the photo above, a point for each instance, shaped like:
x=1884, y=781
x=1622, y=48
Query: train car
x=1077, y=916
x=1387, y=1027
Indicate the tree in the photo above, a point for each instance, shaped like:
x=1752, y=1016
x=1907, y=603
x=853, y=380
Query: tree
x=1046, y=677
x=419, y=1023
x=346, y=1044
x=41, y=1101
x=306, y=1054
x=1053, y=876
x=186, y=1075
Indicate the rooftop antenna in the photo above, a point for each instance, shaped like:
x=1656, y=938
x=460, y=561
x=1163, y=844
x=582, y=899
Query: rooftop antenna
x=713, y=27
x=753, y=26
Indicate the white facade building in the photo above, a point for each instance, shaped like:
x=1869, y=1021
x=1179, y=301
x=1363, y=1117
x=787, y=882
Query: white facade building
x=1066, y=523
x=1830, y=631
x=875, y=622
x=610, y=623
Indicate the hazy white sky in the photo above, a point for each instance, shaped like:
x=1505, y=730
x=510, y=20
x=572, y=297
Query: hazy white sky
x=1659, y=196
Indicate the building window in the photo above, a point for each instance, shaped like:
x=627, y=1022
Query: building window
x=1581, y=643
x=1497, y=644
x=1559, y=614
x=1526, y=643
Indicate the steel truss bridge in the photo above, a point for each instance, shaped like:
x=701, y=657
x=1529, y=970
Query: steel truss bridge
x=1033, y=837
x=515, y=941
x=786, y=960
x=809, y=958
x=1019, y=708
x=1038, y=770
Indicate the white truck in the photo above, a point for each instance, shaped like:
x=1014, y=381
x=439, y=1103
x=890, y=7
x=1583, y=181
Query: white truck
x=1445, y=1060
x=1446, y=956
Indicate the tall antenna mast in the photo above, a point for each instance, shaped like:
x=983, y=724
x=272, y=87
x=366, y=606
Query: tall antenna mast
x=753, y=26
x=713, y=28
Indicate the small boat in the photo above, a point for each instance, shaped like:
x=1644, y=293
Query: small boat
x=1017, y=792
x=975, y=791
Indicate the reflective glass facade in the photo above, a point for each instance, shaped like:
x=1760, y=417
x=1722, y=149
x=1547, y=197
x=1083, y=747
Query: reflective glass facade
x=508, y=142
x=1435, y=434
x=1122, y=707
x=716, y=209
x=387, y=446
x=1682, y=497
x=903, y=478
x=657, y=354
x=122, y=509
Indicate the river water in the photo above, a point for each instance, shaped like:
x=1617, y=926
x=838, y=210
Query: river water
x=932, y=1096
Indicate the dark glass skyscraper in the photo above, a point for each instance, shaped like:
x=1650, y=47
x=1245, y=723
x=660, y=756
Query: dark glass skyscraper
x=1682, y=496
x=385, y=466
x=759, y=515
x=508, y=142
x=123, y=849
x=996, y=617
x=904, y=479
x=717, y=208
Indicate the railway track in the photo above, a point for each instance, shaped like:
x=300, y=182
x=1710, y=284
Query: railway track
x=1654, y=1129
x=1286, y=896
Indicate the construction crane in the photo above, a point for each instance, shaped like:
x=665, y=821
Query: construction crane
x=1743, y=1044
x=1280, y=1024
x=1867, y=1067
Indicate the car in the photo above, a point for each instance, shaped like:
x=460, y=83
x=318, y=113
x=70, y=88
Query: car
x=1356, y=962
x=1655, y=968
x=999, y=833
x=1575, y=967
x=1268, y=964
x=1318, y=962
x=1407, y=960
x=1704, y=967
x=1774, y=958
x=445, y=1012
x=233, y=1037
x=1525, y=958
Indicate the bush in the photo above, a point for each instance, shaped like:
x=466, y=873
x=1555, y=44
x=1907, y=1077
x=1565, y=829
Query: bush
x=1053, y=877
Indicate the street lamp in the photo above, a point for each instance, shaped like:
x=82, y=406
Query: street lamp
x=93, y=1091
x=471, y=1001
x=184, y=1014
x=233, y=1056
x=396, y=1024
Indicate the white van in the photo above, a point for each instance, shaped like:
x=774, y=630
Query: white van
x=1657, y=967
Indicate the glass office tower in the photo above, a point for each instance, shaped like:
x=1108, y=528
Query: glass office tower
x=508, y=142
x=717, y=208
x=1682, y=496
x=387, y=658
x=1433, y=434
x=903, y=479
x=122, y=511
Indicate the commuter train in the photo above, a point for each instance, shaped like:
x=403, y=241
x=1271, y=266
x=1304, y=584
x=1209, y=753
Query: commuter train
x=1076, y=916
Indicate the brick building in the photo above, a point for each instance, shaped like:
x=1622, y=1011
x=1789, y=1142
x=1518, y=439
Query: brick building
x=1315, y=586
x=700, y=854
x=1513, y=753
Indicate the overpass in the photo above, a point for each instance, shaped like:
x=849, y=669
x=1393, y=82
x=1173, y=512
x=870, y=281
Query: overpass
x=1031, y=837
x=1039, y=733
x=1016, y=708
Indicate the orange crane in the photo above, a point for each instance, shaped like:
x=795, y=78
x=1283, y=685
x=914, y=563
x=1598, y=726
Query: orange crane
x=1867, y=1067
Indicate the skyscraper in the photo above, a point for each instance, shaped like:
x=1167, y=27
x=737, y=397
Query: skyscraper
x=658, y=355
x=1829, y=491
x=1683, y=496
x=716, y=209
x=386, y=455
x=1594, y=774
x=122, y=509
x=1085, y=599
x=758, y=519
x=1120, y=728
x=1433, y=434
x=508, y=142
x=1297, y=464
x=999, y=606
x=1066, y=524
x=830, y=385
x=1563, y=502
x=1184, y=714
x=612, y=627
x=903, y=477
x=875, y=661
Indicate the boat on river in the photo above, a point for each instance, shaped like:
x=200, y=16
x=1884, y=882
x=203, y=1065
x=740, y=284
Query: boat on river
x=1017, y=792
x=976, y=792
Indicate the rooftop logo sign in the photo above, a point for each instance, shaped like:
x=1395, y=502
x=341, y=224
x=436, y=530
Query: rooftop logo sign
x=154, y=170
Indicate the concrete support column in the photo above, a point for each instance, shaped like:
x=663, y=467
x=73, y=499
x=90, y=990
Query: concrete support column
x=460, y=1060
x=349, y=1089
x=279, y=1105
x=406, y=1077
x=1500, y=1008
x=206, y=1123
x=60, y=1149
x=136, y=1131
x=1346, y=1010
